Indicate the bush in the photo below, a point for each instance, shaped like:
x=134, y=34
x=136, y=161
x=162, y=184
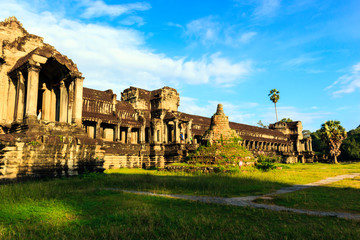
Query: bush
x=224, y=153
x=265, y=163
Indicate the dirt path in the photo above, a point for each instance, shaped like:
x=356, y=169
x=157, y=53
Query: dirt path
x=248, y=201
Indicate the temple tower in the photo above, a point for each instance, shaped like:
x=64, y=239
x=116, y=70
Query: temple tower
x=219, y=129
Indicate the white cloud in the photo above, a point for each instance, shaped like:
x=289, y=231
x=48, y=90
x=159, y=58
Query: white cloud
x=235, y=112
x=309, y=119
x=133, y=20
x=99, y=8
x=347, y=83
x=207, y=30
x=246, y=37
x=267, y=8
x=118, y=57
x=301, y=60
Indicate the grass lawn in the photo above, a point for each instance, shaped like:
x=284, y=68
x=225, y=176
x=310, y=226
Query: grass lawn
x=79, y=208
x=342, y=196
x=248, y=182
x=73, y=209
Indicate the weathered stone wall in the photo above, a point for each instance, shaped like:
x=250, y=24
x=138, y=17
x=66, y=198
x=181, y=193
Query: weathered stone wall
x=39, y=155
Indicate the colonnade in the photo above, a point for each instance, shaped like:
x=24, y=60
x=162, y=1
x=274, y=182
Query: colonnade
x=266, y=146
x=160, y=132
x=59, y=100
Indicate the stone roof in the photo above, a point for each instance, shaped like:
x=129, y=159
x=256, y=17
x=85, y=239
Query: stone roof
x=93, y=116
x=124, y=106
x=48, y=51
x=249, y=128
x=97, y=94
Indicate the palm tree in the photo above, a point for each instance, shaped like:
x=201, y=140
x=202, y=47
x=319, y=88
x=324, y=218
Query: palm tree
x=333, y=134
x=274, y=97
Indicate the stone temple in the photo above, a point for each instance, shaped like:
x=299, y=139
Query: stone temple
x=81, y=128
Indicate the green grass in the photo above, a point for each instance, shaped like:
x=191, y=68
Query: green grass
x=79, y=208
x=73, y=209
x=342, y=196
x=248, y=182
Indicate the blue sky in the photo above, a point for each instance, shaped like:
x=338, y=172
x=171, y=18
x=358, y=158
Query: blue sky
x=231, y=51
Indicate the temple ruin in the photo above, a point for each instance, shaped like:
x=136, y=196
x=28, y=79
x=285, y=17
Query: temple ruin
x=51, y=125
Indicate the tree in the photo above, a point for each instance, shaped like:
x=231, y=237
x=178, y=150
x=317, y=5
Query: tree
x=286, y=120
x=306, y=133
x=333, y=134
x=350, y=148
x=319, y=146
x=261, y=124
x=274, y=97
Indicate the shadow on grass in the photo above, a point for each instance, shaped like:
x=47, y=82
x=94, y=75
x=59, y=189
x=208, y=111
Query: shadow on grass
x=209, y=185
x=342, y=196
x=74, y=209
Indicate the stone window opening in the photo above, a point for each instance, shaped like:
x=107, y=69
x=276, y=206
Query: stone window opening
x=147, y=139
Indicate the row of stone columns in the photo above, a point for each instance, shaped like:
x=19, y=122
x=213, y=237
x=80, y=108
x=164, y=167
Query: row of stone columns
x=263, y=146
x=70, y=98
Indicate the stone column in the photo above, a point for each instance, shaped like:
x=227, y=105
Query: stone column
x=123, y=136
x=166, y=140
x=20, y=97
x=32, y=92
x=310, y=144
x=78, y=98
x=52, y=105
x=63, y=102
x=46, y=104
x=129, y=135
x=70, y=102
x=98, y=130
x=117, y=132
x=188, y=131
x=176, y=131
x=142, y=134
x=11, y=100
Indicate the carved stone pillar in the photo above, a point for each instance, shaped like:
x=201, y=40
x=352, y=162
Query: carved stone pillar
x=176, y=131
x=188, y=131
x=11, y=100
x=310, y=140
x=32, y=92
x=63, y=102
x=20, y=97
x=166, y=140
x=117, y=132
x=98, y=130
x=70, y=106
x=46, y=104
x=129, y=135
x=78, y=97
x=142, y=134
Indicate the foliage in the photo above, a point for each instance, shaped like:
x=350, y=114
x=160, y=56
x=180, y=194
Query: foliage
x=350, y=149
x=224, y=153
x=34, y=143
x=265, y=163
x=286, y=120
x=261, y=124
x=306, y=133
x=274, y=97
x=333, y=134
x=318, y=144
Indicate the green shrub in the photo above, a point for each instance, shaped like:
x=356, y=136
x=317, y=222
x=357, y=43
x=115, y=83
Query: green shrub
x=224, y=153
x=265, y=163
